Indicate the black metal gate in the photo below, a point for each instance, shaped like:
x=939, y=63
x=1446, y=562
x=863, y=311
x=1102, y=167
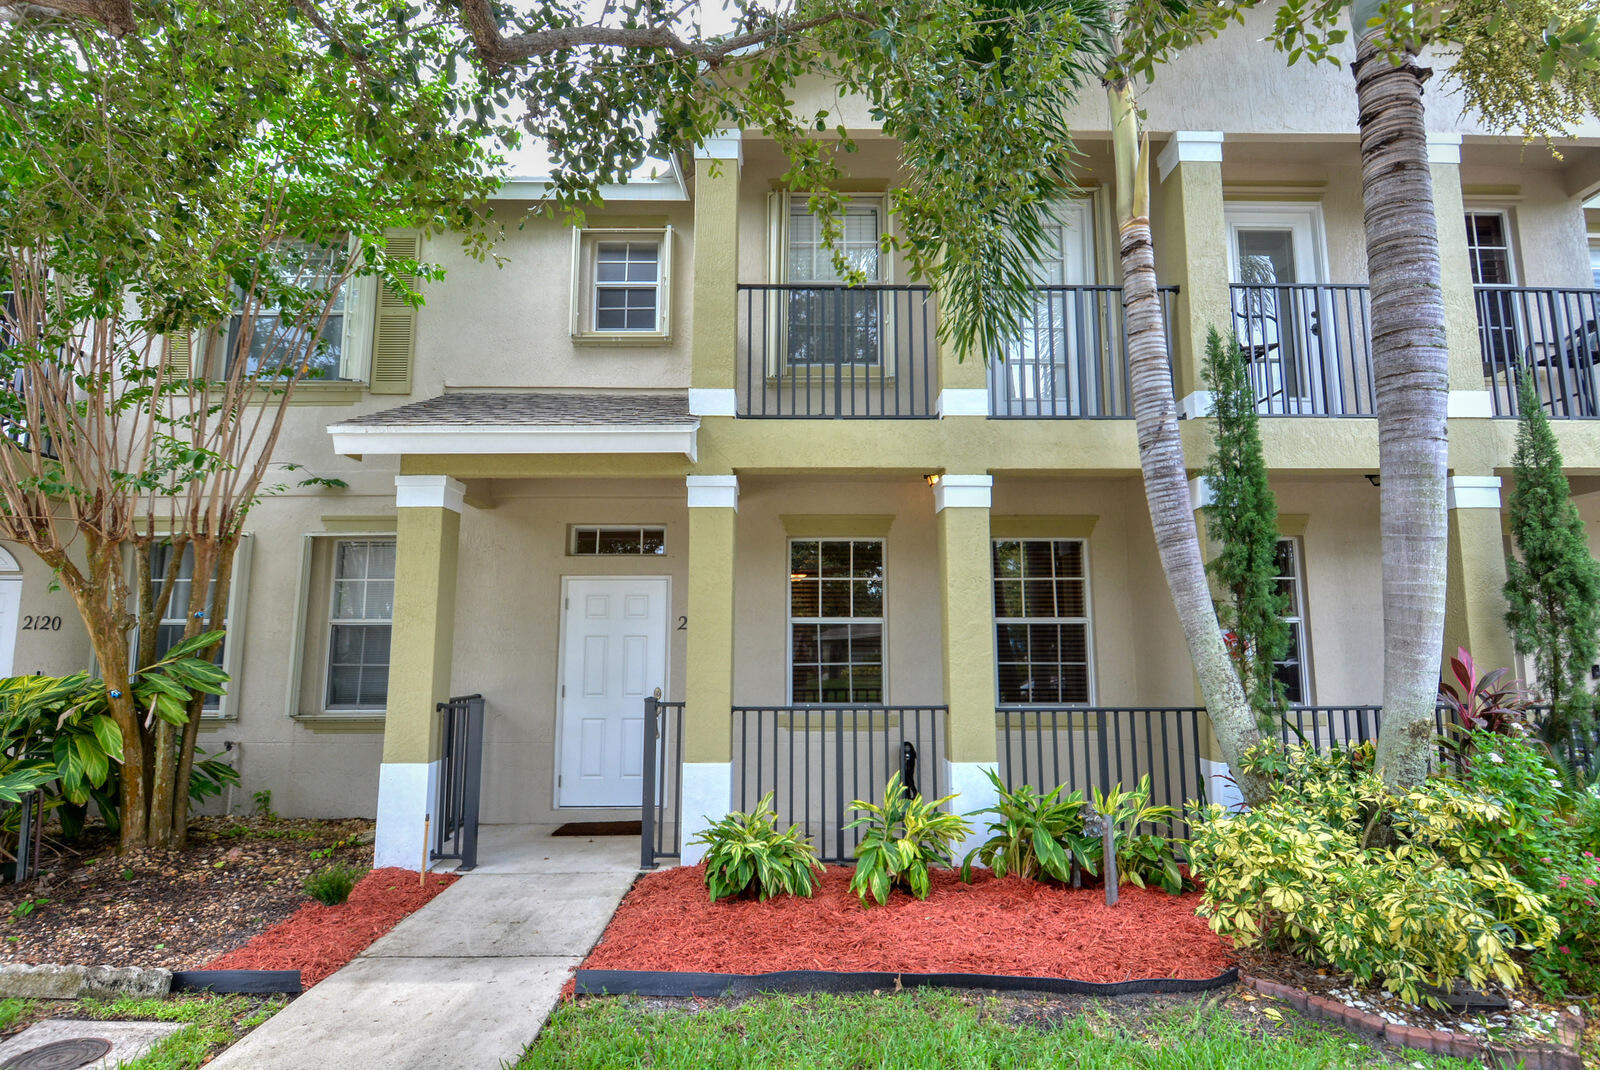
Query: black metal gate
x=661, y=801
x=460, y=776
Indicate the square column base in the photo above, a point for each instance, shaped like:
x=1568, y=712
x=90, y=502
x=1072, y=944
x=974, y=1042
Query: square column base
x=406, y=791
x=707, y=797
x=973, y=791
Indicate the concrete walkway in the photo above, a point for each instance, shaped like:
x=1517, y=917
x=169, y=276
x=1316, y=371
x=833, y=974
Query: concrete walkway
x=467, y=981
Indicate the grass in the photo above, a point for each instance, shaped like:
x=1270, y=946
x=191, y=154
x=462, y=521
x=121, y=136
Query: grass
x=209, y=1022
x=929, y=1029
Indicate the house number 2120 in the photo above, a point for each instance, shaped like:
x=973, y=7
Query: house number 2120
x=32, y=623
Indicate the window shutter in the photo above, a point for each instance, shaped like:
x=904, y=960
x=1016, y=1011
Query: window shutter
x=394, y=328
x=180, y=355
x=664, y=289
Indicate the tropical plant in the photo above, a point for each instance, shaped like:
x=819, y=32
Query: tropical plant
x=1143, y=858
x=1420, y=901
x=1034, y=836
x=333, y=884
x=747, y=854
x=1242, y=519
x=901, y=840
x=1552, y=582
x=215, y=180
x=1491, y=702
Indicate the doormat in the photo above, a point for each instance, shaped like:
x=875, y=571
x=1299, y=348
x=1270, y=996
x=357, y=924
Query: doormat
x=665, y=983
x=598, y=828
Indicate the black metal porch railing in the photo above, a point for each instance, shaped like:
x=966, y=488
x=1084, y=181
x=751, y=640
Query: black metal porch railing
x=24, y=864
x=1309, y=347
x=661, y=799
x=817, y=760
x=1549, y=334
x=1070, y=358
x=460, y=778
x=828, y=351
x=1080, y=748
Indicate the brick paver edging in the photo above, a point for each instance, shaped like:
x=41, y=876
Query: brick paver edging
x=1560, y=1056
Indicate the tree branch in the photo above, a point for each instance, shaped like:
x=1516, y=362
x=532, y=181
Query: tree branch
x=115, y=15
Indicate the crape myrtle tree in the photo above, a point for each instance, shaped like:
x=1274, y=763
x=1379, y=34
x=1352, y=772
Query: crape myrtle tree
x=1242, y=520
x=185, y=187
x=1552, y=580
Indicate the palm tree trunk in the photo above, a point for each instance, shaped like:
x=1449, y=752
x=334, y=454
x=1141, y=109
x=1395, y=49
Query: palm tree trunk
x=1410, y=369
x=1166, y=478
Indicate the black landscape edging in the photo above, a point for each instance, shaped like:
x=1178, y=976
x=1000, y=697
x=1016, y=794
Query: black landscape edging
x=668, y=983
x=250, y=982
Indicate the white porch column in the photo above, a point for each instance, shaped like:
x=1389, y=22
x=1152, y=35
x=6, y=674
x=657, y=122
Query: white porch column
x=708, y=691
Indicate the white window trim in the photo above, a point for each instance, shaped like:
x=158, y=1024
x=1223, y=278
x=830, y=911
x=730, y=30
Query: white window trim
x=780, y=204
x=1594, y=260
x=298, y=634
x=585, y=241
x=1087, y=621
x=329, y=622
x=1303, y=218
x=640, y=529
x=233, y=642
x=882, y=620
x=1308, y=691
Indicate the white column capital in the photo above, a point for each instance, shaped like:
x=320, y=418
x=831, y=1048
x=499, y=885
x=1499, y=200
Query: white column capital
x=1196, y=404
x=962, y=492
x=725, y=144
x=1472, y=492
x=1189, y=146
x=962, y=401
x=429, y=492
x=713, y=401
x=1444, y=148
x=713, y=492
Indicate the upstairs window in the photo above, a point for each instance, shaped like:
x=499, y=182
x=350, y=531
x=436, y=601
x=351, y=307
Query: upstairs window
x=275, y=336
x=621, y=284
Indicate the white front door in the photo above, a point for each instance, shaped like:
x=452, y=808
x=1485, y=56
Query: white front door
x=614, y=638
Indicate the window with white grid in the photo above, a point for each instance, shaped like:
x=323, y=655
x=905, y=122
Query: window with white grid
x=627, y=286
x=836, y=617
x=1041, y=622
x=1293, y=670
x=359, y=624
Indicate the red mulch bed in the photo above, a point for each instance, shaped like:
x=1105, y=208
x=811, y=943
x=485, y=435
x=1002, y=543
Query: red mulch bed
x=317, y=940
x=996, y=926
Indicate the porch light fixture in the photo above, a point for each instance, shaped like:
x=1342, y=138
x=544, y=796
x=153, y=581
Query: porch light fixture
x=932, y=478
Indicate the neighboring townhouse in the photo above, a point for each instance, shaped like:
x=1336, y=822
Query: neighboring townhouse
x=667, y=455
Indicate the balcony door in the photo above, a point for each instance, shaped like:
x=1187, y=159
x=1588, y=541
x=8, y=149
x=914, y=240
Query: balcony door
x=1275, y=260
x=1053, y=366
x=826, y=323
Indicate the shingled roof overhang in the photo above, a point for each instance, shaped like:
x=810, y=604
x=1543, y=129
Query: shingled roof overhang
x=500, y=423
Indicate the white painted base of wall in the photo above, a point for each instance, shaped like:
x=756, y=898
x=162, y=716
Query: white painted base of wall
x=406, y=791
x=962, y=401
x=707, y=797
x=1196, y=405
x=1220, y=786
x=973, y=791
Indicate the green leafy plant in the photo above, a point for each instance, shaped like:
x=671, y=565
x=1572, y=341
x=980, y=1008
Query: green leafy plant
x=1034, y=836
x=26, y=907
x=902, y=839
x=1143, y=858
x=1485, y=701
x=263, y=804
x=332, y=885
x=747, y=854
x=1406, y=889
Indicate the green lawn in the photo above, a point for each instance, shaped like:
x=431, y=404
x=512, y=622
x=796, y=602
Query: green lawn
x=210, y=1022
x=942, y=1029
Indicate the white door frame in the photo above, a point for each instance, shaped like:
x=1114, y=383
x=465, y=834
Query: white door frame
x=561, y=668
x=10, y=619
x=1302, y=218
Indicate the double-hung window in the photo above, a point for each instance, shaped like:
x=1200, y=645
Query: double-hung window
x=360, y=621
x=1294, y=669
x=277, y=336
x=621, y=284
x=836, y=618
x=824, y=321
x=1042, y=626
x=175, y=613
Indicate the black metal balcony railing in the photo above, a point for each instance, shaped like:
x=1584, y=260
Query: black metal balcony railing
x=828, y=351
x=1309, y=347
x=1070, y=358
x=1549, y=334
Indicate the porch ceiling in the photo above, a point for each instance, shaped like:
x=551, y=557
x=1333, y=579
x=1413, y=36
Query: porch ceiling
x=525, y=423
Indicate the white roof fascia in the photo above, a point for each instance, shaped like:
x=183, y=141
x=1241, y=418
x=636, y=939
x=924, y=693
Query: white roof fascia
x=362, y=440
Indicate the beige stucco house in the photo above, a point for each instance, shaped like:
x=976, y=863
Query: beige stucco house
x=664, y=454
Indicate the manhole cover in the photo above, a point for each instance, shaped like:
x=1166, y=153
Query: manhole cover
x=61, y=1055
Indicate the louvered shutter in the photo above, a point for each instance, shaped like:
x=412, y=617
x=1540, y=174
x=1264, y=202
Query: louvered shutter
x=180, y=355
x=394, y=329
